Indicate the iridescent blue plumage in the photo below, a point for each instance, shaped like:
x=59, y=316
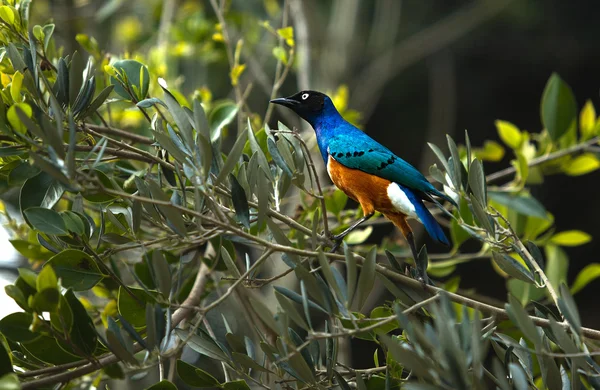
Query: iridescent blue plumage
x=354, y=149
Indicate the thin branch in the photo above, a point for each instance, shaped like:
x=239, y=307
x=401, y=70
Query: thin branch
x=133, y=149
x=124, y=134
x=193, y=299
x=545, y=158
x=84, y=367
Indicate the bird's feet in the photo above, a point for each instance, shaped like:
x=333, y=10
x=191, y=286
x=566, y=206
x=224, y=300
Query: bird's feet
x=336, y=238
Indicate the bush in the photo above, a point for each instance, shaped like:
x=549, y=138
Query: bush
x=150, y=245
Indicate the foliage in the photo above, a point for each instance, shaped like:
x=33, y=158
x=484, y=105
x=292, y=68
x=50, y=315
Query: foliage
x=136, y=237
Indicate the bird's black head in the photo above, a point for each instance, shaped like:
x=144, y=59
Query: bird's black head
x=307, y=104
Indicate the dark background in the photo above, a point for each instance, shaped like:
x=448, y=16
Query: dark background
x=453, y=79
x=496, y=68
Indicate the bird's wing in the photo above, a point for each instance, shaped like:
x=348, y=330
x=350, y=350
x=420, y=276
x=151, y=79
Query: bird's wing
x=364, y=153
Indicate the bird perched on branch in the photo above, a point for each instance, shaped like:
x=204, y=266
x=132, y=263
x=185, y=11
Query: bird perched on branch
x=367, y=171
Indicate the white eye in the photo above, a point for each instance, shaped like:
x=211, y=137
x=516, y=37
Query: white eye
x=304, y=96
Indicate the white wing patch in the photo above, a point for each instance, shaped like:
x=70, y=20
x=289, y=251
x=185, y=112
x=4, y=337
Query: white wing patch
x=400, y=201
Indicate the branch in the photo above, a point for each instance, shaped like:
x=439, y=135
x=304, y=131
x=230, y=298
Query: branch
x=85, y=368
x=545, y=158
x=133, y=149
x=120, y=133
x=193, y=299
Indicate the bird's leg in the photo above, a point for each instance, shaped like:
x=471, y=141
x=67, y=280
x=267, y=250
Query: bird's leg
x=400, y=221
x=339, y=237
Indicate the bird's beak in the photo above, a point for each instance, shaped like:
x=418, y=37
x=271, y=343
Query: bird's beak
x=287, y=102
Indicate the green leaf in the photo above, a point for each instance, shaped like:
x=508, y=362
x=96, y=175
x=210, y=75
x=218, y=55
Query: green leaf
x=366, y=278
x=519, y=316
x=46, y=300
x=557, y=265
x=40, y=190
x=76, y=269
x=115, y=344
x=46, y=279
x=260, y=155
x=518, y=376
x=358, y=236
x=477, y=181
x=328, y=273
x=587, y=120
x=491, y=151
x=83, y=332
x=236, y=385
x=162, y=272
x=176, y=222
x=568, y=308
x=455, y=164
x=351, y=272
x=558, y=107
x=10, y=382
x=233, y=157
x=7, y=15
x=147, y=103
x=6, y=366
x=240, y=202
x=134, y=76
x=509, y=134
x=221, y=116
x=181, y=119
x=512, y=267
x=62, y=318
x=202, y=343
x=589, y=273
x=247, y=362
x=298, y=298
x=100, y=197
x=15, y=327
x=14, y=118
x=47, y=349
x=289, y=308
x=194, y=376
x=73, y=222
x=523, y=204
x=200, y=120
x=163, y=385
x=571, y=238
x=96, y=103
x=132, y=310
x=582, y=165
x=440, y=155
x=46, y=221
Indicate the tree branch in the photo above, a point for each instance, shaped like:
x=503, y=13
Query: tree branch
x=545, y=158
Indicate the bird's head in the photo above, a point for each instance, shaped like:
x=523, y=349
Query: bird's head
x=309, y=105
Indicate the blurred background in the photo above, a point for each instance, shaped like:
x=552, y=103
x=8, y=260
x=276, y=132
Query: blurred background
x=412, y=70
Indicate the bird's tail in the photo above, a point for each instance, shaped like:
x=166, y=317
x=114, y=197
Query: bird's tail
x=444, y=196
x=431, y=225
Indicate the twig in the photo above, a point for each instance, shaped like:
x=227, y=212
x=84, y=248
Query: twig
x=543, y=159
x=143, y=153
x=84, y=367
x=193, y=299
x=120, y=133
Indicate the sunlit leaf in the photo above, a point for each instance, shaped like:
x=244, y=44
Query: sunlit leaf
x=571, y=238
x=509, y=134
x=588, y=274
x=582, y=165
x=558, y=107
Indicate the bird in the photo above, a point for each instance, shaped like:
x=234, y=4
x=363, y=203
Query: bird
x=367, y=171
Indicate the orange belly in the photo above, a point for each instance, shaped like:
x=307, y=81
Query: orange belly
x=368, y=190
